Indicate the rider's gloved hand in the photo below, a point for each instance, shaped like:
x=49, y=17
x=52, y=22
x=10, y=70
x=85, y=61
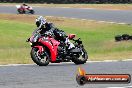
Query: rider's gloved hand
x=28, y=40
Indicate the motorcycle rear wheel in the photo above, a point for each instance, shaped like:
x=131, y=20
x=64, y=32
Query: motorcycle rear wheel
x=39, y=59
x=82, y=59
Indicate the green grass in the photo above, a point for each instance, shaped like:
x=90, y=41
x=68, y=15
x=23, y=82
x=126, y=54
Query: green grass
x=98, y=39
x=101, y=40
x=13, y=48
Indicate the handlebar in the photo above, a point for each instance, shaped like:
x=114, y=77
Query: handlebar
x=28, y=40
x=78, y=41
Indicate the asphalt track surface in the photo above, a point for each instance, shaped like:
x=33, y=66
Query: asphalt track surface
x=119, y=16
x=61, y=75
x=64, y=75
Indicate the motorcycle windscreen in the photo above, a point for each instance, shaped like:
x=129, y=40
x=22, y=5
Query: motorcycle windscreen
x=18, y=6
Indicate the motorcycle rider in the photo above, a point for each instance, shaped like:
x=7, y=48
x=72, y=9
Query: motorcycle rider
x=25, y=6
x=48, y=28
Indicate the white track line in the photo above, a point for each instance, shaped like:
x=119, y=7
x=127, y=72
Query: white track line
x=110, y=22
x=121, y=87
x=69, y=62
x=110, y=60
x=62, y=7
x=121, y=23
x=115, y=87
x=127, y=60
x=17, y=65
x=77, y=8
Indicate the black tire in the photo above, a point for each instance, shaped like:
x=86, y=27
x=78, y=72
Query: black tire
x=125, y=37
x=130, y=37
x=20, y=11
x=32, y=11
x=118, y=38
x=81, y=80
x=82, y=59
x=39, y=60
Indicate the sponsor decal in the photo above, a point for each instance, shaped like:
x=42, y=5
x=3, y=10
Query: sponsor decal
x=83, y=78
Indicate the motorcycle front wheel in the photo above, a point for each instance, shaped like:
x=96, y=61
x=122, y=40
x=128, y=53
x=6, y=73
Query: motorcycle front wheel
x=40, y=59
x=32, y=11
x=82, y=58
x=20, y=11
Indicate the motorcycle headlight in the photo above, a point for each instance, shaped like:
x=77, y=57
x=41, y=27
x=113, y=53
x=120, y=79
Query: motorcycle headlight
x=30, y=43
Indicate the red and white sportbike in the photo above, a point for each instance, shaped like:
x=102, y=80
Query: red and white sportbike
x=46, y=49
x=25, y=9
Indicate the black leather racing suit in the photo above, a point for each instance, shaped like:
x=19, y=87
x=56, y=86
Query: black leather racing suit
x=57, y=34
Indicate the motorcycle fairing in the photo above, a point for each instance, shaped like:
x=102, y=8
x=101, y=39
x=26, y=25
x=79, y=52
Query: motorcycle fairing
x=52, y=45
x=41, y=49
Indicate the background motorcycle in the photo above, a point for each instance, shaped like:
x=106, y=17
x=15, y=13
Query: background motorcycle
x=25, y=10
x=46, y=49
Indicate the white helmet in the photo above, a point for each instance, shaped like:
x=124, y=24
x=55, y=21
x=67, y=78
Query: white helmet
x=40, y=21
